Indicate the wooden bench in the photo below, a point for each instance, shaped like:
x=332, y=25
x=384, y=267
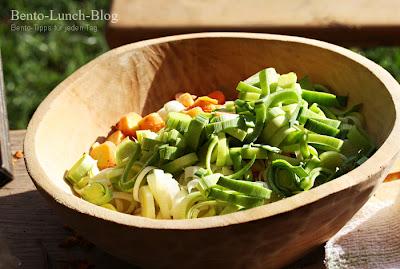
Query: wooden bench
x=355, y=22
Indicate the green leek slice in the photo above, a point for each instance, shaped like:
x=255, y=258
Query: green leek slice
x=97, y=193
x=81, y=168
x=180, y=163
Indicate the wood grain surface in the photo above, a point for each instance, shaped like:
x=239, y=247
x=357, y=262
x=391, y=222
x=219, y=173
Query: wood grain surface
x=5, y=156
x=360, y=22
x=34, y=232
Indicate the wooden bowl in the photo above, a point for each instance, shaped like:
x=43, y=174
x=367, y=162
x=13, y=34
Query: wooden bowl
x=141, y=77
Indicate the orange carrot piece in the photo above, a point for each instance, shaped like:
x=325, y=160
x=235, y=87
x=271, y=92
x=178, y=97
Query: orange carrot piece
x=116, y=137
x=207, y=99
x=180, y=93
x=152, y=122
x=186, y=99
x=104, y=154
x=208, y=108
x=193, y=112
x=206, y=103
x=218, y=95
x=129, y=123
x=392, y=176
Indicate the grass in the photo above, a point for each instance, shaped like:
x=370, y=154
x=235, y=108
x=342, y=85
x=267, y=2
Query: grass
x=34, y=63
x=387, y=57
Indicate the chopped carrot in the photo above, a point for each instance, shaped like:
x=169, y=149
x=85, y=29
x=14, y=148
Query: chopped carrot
x=129, y=123
x=208, y=108
x=207, y=100
x=152, y=122
x=206, y=103
x=186, y=99
x=104, y=154
x=392, y=176
x=193, y=112
x=218, y=95
x=116, y=137
x=180, y=93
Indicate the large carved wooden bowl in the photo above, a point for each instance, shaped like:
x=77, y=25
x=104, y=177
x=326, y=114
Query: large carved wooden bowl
x=141, y=77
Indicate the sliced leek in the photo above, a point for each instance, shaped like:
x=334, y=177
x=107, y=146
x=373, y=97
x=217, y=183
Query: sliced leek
x=206, y=157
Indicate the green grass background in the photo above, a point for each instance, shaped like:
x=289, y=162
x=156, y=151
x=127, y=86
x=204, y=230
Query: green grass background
x=34, y=63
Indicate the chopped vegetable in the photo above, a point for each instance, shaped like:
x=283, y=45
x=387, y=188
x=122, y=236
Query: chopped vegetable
x=81, y=168
x=206, y=103
x=105, y=154
x=218, y=95
x=193, y=112
x=178, y=121
x=129, y=123
x=116, y=137
x=205, y=157
x=152, y=122
x=97, y=193
x=186, y=99
x=146, y=199
x=173, y=106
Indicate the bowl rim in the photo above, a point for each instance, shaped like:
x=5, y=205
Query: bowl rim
x=376, y=164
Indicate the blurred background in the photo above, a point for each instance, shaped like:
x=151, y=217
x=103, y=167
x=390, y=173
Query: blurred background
x=35, y=62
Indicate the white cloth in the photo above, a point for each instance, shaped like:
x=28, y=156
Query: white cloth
x=371, y=239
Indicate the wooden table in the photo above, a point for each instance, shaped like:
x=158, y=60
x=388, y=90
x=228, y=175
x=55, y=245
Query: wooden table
x=356, y=22
x=32, y=230
x=34, y=233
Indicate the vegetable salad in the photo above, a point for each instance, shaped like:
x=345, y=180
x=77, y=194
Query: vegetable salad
x=205, y=156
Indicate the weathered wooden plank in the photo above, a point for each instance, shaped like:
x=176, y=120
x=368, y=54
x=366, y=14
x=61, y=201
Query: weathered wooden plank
x=5, y=156
x=32, y=229
x=360, y=22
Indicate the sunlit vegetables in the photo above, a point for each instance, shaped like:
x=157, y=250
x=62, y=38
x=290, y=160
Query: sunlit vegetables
x=104, y=154
x=81, y=168
x=97, y=193
x=218, y=95
x=152, y=122
x=206, y=103
x=195, y=111
x=146, y=199
x=186, y=99
x=164, y=189
x=129, y=123
x=204, y=156
x=116, y=137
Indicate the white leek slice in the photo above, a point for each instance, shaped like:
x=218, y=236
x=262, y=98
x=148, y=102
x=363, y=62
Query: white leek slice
x=164, y=188
x=192, y=184
x=163, y=113
x=140, y=181
x=178, y=199
x=146, y=198
x=182, y=207
x=174, y=106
